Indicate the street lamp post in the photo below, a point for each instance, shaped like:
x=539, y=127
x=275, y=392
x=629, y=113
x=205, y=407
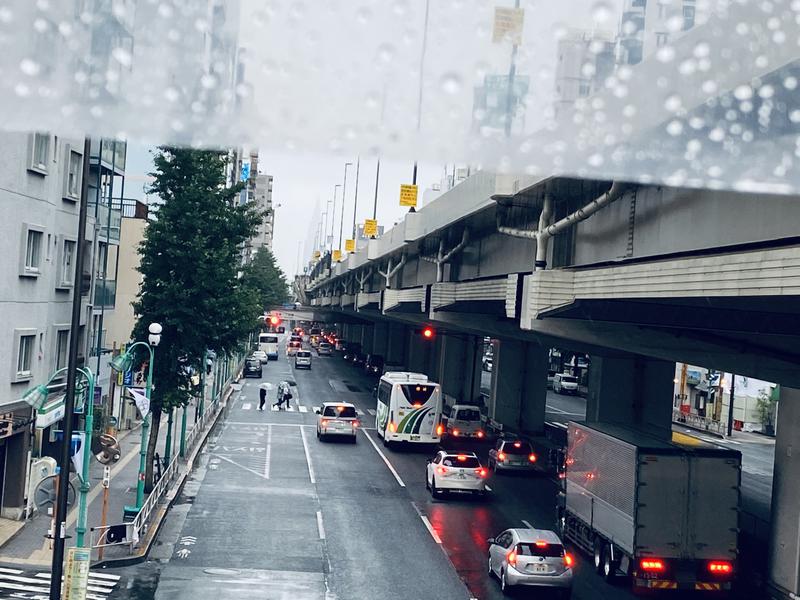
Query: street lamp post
x=122, y=363
x=344, y=201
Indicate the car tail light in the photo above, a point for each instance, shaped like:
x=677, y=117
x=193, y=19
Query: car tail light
x=568, y=560
x=511, y=557
x=501, y=456
x=439, y=429
x=652, y=565
x=482, y=472
x=392, y=427
x=532, y=457
x=324, y=422
x=480, y=434
x=456, y=432
x=720, y=567
x=541, y=544
x=517, y=445
x=356, y=423
x=441, y=470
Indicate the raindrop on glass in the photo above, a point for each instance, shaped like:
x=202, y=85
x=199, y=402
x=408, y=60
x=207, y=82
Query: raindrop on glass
x=450, y=83
x=602, y=12
x=30, y=67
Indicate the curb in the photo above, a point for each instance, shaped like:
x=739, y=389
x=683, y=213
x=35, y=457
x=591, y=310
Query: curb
x=155, y=528
x=699, y=430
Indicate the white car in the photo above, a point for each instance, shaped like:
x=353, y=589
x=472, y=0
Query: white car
x=563, y=383
x=337, y=419
x=293, y=347
x=302, y=359
x=261, y=355
x=451, y=472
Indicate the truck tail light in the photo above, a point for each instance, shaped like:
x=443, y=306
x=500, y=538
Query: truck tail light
x=652, y=565
x=480, y=434
x=532, y=457
x=720, y=567
x=439, y=429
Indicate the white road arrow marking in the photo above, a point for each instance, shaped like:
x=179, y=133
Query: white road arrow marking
x=183, y=553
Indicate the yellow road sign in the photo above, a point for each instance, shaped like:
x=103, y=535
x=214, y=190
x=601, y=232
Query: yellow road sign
x=408, y=195
x=337, y=255
x=349, y=245
x=508, y=23
x=370, y=227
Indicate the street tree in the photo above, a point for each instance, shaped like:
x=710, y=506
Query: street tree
x=266, y=279
x=190, y=263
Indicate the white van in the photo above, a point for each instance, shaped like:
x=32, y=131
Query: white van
x=465, y=422
x=302, y=359
x=564, y=383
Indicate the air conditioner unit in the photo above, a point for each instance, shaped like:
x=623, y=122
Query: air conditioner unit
x=40, y=469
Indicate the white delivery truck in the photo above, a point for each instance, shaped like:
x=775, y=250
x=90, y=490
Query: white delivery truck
x=661, y=509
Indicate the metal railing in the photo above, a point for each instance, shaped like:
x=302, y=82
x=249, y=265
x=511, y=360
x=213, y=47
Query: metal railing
x=698, y=422
x=143, y=516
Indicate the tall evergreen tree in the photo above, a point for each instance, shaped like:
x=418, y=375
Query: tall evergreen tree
x=266, y=279
x=190, y=262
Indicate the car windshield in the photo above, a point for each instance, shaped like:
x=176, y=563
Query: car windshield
x=303, y=354
x=344, y=412
x=254, y=363
x=517, y=448
x=461, y=461
x=568, y=379
x=544, y=549
x=467, y=414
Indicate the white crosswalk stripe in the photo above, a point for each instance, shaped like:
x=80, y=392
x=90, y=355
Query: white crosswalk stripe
x=371, y=411
x=246, y=406
x=15, y=583
x=303, y=409
x=360, y=412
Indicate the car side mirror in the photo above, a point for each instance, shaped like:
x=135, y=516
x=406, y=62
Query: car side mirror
x=490, y=541
x=317, y=411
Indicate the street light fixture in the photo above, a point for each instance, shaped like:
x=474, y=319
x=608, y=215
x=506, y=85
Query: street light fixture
x=36, y=396
x=123, y=363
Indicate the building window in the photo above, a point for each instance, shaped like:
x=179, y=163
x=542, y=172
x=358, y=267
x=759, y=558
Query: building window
x=662, y=11
x=25, y=356
x=67, y=266
x=40, y=151
x=62, y=346
x=33, y=251
x=661, y=39
x=688, y=17
x=74, y=174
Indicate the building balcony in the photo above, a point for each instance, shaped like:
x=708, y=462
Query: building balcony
x=105, y=293
x=109, y=223
x=111, y=154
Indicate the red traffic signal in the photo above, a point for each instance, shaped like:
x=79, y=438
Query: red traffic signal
x=428, y=333
x=273, y=320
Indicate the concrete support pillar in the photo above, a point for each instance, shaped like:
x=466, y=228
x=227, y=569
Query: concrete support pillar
x=633, y=391
x=519, y=386
x=460, y=368
x=380, y=338
x=396, y=342
x=784, y=539
x=354, y=333
x=367, y=332
x=418, y=352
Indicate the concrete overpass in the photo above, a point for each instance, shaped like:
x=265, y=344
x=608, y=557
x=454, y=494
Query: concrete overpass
x=638, y=276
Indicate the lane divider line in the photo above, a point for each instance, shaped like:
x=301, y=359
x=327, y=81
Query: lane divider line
x=385, y=460
x=308, y=456
x=428, y=525
x=269, y=452
x=320, y=526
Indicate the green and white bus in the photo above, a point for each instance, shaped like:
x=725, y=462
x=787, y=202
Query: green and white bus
x=409, y=409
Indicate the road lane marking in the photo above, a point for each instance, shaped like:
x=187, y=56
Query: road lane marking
x=308, y=456
x=488, y=489
x=269, y=452
x=360, y=412
x=555, y=409
x=528, y=525
x=371, y=411
x=248, y=469
x=246, y=406
x=383, y=456
x=11, y=571
x=320, y=526
x=428, y=525
x=303, y=409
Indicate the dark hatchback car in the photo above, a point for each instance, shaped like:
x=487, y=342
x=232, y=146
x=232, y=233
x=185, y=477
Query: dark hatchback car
x=252, y=368
x=350, y=351
x=374, y=365
x=359, y=359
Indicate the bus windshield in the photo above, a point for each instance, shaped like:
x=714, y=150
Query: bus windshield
x=417, y=394
x=268, y=339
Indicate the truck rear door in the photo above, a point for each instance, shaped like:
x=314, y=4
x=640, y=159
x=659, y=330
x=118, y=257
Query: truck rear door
x=660, y=505
x=713, y=515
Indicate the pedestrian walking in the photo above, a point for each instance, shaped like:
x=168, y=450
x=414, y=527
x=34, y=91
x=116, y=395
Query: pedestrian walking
x=262, y=393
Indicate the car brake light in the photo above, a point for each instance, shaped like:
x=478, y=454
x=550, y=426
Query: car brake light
x=517, y=445
x=441, y=470
x=511, y=557
x=532, y=457
x=568, y=560
x=652, y=565
x=439, y=429
x=720, y=567
x=501, y=456
x=482, y=472
x=462, y=457
x=541, y=544
x=324, y=422
x=480, y=434
x=356, y=423
x=456, y=432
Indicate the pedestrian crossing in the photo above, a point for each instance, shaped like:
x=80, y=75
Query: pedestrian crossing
x=16, y=583
x=297, y=408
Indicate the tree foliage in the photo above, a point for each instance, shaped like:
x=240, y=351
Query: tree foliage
x=190, y=262
x=266, y=280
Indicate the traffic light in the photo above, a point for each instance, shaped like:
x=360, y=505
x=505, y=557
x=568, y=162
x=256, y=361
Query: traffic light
x=273, y=320
x=428, y=333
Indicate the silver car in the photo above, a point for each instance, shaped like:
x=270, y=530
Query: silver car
x=324, y=349
x=302, y=359
x=530, y=557
x=337, y=419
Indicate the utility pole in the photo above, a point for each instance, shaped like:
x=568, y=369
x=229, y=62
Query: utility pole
x=60, y=525
x=512, y=72
x=730, y=405
x=377, y=179
x=344, y=199
x=355, y=204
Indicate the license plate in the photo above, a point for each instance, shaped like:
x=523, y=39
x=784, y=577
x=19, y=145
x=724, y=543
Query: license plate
x=414, y=437
x=462, y=476
x=540, y=568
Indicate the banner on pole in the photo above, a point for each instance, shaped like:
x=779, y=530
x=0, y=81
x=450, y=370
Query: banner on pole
x=508, y=24
x=141, y=400
x=337, y=255
x=408, y=195
x=77, y=450
x=76, y=577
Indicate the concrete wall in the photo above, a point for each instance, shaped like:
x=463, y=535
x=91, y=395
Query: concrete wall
x=121, y=320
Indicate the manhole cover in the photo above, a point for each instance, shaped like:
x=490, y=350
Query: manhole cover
x=221, y=571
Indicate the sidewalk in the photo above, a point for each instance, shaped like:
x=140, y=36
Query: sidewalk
x=29, y=546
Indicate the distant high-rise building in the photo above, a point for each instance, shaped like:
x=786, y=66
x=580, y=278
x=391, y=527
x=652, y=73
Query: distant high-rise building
x=584, y=60
x=263, y=199
x=648, y=25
